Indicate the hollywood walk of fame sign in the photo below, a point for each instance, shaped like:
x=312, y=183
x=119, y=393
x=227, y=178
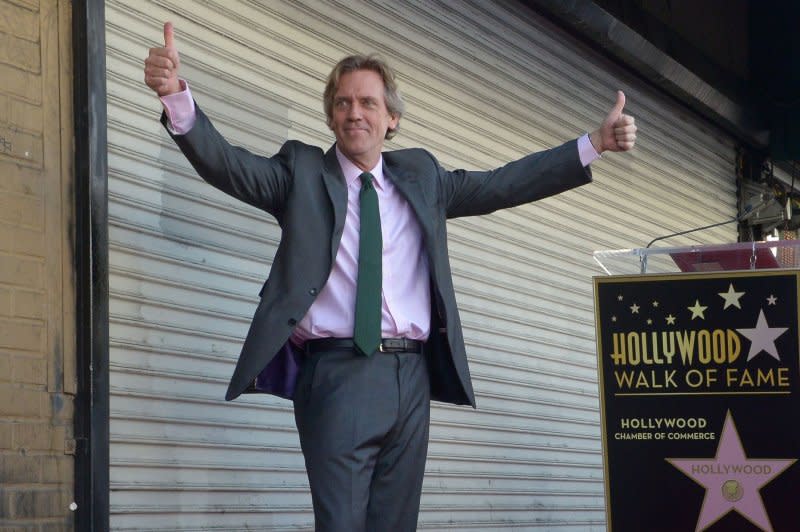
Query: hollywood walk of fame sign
x=700, y=394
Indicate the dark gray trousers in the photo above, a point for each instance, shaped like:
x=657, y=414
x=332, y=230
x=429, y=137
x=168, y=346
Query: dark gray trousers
x=363, y=424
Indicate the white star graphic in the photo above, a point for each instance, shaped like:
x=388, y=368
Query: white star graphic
x=634, y=309
x=655, y=304
x=619, y=297
x=649, y=321
x=613, y=318
x=771, y=300
x=670, y=320
x=731, y=297
x=697, y=310
x=762, y=337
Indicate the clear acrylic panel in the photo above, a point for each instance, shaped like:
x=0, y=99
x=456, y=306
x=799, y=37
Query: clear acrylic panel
x=774, y=254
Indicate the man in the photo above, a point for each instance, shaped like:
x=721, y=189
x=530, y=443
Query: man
x=357, y=321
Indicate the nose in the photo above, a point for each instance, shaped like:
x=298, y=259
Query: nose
x=354, y=112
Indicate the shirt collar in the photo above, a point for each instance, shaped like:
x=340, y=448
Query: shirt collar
x=351, y=172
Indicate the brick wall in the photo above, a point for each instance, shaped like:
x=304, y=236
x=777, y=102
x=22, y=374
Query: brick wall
x=37, y=354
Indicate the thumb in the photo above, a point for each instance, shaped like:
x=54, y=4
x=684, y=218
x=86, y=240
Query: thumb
x=169, y=35
x=617, y=109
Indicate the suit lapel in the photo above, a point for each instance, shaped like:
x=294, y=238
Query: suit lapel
x=337, y=192
x=408, y=184
x=411, y=189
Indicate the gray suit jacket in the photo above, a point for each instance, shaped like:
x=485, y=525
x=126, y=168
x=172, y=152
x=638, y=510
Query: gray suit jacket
x=303, y=188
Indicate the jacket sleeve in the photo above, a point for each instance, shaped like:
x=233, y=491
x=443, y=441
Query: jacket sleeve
x=263, y=182
x=536, y=176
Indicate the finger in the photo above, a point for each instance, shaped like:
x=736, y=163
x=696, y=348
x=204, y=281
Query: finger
x=162, y=58
x=154, y=77
x=159, y=61
x=160, y=73
x=625, y=141
x=625, y=121
x=154, y=83
x=158, y=52
x=158, y=68
x=172, y=54
x=617, y=109
x=169, y=35
x=625, y=130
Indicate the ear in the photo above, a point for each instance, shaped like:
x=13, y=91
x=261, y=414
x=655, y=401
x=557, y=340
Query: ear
x=394, y=119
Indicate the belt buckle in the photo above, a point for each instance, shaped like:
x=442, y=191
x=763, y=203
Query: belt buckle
x=396, y=345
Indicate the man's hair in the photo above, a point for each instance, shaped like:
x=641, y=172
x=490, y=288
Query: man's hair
x=394, y=102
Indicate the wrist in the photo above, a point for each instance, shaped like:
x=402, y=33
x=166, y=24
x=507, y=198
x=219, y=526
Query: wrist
x=595, y=139
x=173, y=88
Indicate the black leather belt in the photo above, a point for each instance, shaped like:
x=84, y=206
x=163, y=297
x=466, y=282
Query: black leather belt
x=388, y=345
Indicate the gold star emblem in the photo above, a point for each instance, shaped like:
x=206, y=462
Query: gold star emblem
x=634, y=309
x=670, y=320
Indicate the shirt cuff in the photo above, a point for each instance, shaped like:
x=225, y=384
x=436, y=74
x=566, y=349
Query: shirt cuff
x=586, y=151
x=180, y=111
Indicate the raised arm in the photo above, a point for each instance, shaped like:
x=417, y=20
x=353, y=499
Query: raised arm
x=263, y=182
x=535, y=176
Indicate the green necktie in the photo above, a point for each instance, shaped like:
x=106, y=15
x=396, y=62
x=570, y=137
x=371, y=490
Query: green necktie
x=367, y=328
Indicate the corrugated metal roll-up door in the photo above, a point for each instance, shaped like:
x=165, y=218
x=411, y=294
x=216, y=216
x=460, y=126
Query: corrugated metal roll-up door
x=485, y=82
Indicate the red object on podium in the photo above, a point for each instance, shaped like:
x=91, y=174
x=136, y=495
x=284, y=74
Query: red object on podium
x=724, y=260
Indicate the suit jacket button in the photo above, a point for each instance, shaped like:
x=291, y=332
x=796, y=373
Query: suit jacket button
x=292, y=322
x=313, y=292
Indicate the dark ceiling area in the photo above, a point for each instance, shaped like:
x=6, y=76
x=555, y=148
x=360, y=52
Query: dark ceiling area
x=747, y=51
x=709, y=37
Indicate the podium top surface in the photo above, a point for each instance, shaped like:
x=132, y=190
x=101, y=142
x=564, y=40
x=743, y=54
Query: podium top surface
x=777, y=254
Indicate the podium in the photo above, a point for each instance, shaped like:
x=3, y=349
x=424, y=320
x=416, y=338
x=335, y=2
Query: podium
x=699, y=377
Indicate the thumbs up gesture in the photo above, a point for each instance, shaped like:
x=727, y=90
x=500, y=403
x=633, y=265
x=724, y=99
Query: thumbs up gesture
x=618, y=130
x=161, y=65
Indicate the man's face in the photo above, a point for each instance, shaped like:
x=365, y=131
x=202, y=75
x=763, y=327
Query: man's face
x=360, y=117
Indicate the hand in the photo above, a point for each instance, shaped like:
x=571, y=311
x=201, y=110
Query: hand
x=617, y=132
x=161, y=66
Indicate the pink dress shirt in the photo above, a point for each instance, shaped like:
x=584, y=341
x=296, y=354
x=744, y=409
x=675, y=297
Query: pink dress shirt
x=406, y=309
x=406, y=294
